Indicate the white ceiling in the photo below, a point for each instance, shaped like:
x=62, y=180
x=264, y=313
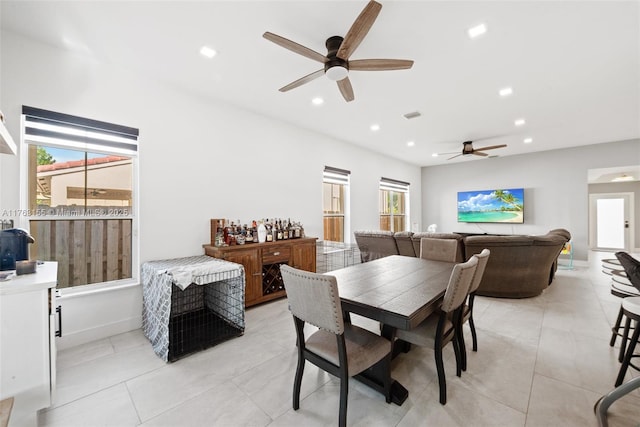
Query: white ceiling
x=574, y=66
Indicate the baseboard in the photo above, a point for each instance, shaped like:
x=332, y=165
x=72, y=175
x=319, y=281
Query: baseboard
x=103, y=331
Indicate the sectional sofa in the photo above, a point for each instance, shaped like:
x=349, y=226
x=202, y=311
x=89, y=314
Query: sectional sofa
x=519, y=266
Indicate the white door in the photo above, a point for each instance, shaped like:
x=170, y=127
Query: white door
x=610, y=225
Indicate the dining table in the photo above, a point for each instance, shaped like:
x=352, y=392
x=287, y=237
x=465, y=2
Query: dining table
x=397, y=291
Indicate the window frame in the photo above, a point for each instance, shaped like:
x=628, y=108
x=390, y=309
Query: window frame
x=28, y=215
x=394, y=186
x=340, y=177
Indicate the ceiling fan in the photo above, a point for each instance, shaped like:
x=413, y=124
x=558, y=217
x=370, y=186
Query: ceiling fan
x=336, y=63
x=467, y=148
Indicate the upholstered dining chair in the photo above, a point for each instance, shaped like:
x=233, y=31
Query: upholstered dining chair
x=340, y=348
x=467, y=310
x=442, y=327
x=439, y=249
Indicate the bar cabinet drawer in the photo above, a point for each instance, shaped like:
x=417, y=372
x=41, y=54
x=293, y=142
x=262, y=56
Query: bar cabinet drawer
x=276, y=254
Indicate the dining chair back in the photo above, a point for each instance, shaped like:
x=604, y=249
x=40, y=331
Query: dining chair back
x=439, y=249
x=338, y=347
x=442, y=327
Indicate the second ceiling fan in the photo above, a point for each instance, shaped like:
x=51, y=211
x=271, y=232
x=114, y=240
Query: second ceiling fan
x=467, y=148
x=336, y=62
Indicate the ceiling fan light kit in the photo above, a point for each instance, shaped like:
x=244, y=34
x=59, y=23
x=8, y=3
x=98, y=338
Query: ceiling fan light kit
x=339, y=50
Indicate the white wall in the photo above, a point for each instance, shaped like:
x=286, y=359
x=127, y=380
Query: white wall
x=199, y=159
x=555, y=183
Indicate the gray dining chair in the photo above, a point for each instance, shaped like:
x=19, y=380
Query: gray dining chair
x=442, y=327
x=439, y=249
x=340, y=348
x=467, y=310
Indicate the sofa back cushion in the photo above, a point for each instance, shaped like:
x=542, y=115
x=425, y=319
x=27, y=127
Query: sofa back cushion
x=374, y=244
x=404, y=243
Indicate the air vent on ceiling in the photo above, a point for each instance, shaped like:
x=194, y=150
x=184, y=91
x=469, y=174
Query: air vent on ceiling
x=412, y=115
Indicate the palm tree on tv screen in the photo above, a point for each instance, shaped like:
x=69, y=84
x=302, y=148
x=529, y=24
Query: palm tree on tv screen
x=508, y=198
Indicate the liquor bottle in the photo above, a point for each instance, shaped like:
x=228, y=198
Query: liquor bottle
x=285, y=231
x=219, y=241
x=279, y=233
x=269, y=227
x=289, y=229
x=262, y=232
x=274, y=230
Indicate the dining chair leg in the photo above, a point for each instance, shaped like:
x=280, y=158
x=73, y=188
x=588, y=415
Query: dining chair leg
x=442, y=382
x=461, y=359
x=344, y=394
x=297, y=382
x=629, y=354
x=472, y=324
x=457, y=350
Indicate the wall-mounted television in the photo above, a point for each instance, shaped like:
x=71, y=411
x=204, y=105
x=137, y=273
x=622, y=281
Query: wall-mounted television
x=502, y=205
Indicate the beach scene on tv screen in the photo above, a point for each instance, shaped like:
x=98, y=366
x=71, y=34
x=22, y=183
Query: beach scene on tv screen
x=491, y=206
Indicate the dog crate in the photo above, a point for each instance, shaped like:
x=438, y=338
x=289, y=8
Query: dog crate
x=335, y=255
x=192, y=303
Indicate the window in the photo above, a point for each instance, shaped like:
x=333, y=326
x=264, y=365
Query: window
x=335, y=188
x=394, y=203
x=81, y=196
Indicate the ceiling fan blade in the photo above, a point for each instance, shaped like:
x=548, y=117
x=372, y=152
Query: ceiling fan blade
x=359, y=29
x=380, y=64
x=302, y=80
x=295, y=47
x=491, y=147
x=346, y=89
x=457, y=155
x=478, y=153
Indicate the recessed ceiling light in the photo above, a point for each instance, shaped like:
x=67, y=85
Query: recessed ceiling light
x=505, y=91
x=410, y=144
x=208, y=52
x=477, y=31
x=519, y=122
x=317, y=101
x=375, y=127
x=434, y=155
x=528, y=140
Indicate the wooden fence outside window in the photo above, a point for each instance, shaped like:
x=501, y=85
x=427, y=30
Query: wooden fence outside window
x=87, y=251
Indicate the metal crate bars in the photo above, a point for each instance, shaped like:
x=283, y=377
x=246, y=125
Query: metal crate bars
x=334, y=255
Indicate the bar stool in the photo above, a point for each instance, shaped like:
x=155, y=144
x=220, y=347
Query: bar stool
x=630, y=309
x=609, y=265
x=621, y=287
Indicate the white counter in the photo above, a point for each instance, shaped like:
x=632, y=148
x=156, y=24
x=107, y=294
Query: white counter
x=45, y=277
x=27, y=342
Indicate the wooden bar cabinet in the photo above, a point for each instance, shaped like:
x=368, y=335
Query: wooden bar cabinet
x=262, y=262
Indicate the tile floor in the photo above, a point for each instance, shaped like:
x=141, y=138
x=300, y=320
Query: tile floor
x=541, y=361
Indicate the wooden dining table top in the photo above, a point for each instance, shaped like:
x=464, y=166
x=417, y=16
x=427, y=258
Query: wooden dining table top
x=398, y=291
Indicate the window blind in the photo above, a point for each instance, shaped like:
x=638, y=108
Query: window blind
x=335, y=175
x=73, y=132
x=394, y=185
